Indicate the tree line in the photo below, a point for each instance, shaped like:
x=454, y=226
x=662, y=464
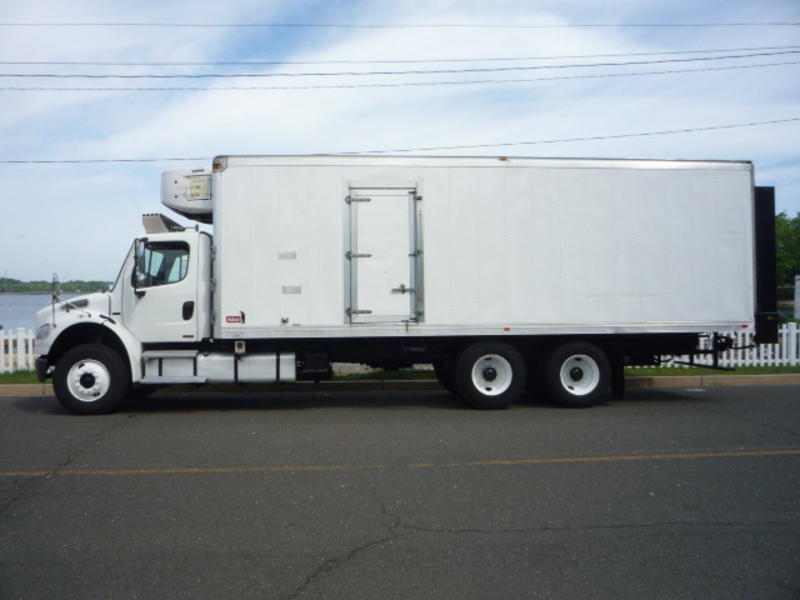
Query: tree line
x=77, y=286
x=787, y=248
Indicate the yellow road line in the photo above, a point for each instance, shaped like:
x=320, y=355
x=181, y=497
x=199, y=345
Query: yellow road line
x=178, y=470
x=477, y=463
x=591, y=459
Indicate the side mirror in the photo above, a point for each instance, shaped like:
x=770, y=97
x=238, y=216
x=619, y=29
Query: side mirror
x=138, y=275
x=138, y=249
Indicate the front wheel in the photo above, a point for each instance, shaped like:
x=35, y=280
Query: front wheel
x=489, y=375
x=90, y=379
x=577, y=374
x=443, y=369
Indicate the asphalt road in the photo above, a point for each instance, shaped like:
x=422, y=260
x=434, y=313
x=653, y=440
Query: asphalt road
x=666, y=494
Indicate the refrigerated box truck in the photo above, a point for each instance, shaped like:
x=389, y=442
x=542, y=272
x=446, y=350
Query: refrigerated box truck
x=507, y=274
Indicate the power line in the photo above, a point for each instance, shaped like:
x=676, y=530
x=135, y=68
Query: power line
x=431, y=148
x=386, y=85
x=580, y=139
x=380, y=62
x=81, y=161
x=407, y=72
x=403, y=25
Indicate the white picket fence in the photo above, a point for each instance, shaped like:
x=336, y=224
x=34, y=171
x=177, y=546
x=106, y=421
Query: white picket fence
x=16, y=351
x=786, y=353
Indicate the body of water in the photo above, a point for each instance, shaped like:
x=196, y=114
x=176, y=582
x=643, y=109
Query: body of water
x=19, y=310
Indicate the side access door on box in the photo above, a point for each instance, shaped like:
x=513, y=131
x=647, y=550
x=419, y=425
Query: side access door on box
x=383, y=255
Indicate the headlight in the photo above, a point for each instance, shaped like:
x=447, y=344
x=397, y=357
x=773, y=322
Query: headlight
x=43, y=332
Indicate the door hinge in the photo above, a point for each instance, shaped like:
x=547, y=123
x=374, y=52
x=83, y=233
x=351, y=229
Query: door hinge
x=350, y=312
x=350, y=255
x=416, y=253
x=350, y=199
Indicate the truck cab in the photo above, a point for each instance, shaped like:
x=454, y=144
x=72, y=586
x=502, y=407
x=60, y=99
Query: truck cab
x=165, y=290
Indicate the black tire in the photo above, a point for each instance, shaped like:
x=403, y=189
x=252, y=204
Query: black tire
x=444, y=375
x=577, y=375
x=91, y=379
x=142, y=391
x=489, y=375
x=138, y=394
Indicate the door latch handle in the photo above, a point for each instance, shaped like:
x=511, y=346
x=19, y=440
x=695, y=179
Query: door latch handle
x=403, y=289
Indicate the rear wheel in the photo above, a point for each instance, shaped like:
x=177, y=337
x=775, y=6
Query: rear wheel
x=578, y=374
x=489, y=375
x=90, y=379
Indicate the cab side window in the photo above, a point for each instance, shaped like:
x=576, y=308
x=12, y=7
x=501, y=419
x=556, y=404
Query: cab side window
x=161, y=263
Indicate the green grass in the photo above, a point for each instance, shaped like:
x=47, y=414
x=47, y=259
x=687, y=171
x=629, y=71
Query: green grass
x=18, y=377
x=670, y=371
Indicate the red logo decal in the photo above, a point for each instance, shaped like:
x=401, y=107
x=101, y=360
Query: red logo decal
x=233, y=319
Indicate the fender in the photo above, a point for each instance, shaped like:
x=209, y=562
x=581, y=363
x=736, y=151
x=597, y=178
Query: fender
x=112, y=333
x=133, y=347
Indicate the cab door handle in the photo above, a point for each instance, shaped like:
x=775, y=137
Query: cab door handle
x=188, y=310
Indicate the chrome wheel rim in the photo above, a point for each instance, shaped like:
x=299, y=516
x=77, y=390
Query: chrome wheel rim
x=579, y=374
x=492, y=374
x=88, y=380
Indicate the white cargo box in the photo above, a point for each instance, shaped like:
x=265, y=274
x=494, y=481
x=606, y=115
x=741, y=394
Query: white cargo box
x=339, y=246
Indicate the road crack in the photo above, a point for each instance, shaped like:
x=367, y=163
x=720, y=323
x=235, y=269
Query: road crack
x=334, y=563
x=11, y=502
x=116, y=428
x=568, y=528
x=331, y=564
x=398, y=528
x=23, y=490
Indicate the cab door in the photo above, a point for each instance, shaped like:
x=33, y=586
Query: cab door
x=161, y=296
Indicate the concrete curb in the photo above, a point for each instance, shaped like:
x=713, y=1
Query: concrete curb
x=374, y=385
x=713, y=380
x=26, y=389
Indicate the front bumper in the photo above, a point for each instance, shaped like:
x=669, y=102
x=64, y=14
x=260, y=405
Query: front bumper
x=41, y=368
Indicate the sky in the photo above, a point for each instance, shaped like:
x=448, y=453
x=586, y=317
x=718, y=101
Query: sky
x=78, y=220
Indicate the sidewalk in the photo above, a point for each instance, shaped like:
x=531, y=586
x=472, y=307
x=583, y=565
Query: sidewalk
x=372, y=385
